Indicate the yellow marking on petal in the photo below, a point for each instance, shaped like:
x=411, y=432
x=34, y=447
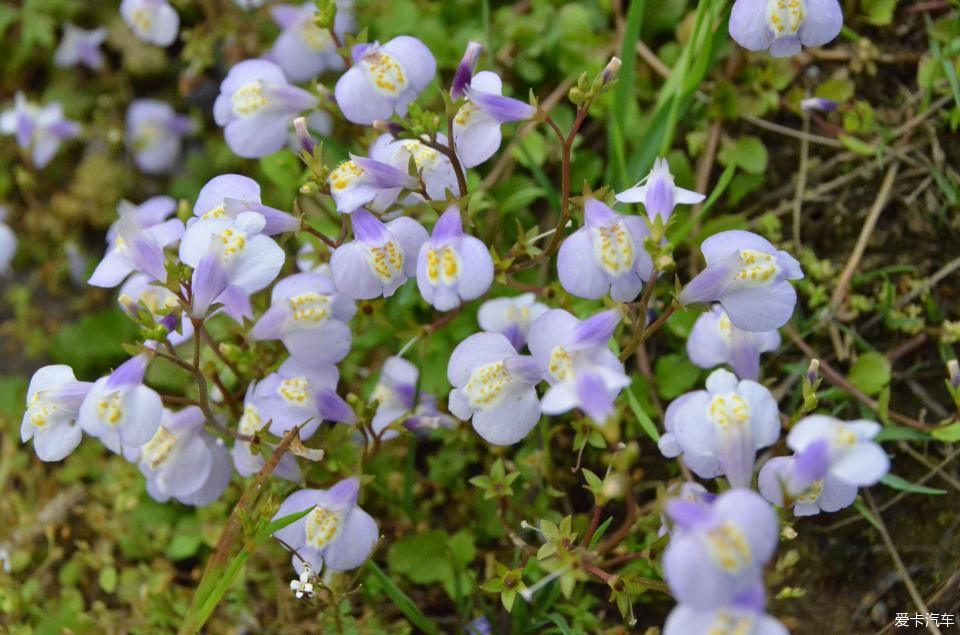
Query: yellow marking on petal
x=451, y=265
x=310, y=307
x=294, y=390
x=345, y=175
x=757, y=268
x=249, y=99
x=234, y=241
x=729, y=624
x=39, y=412
x=728, y=547
x=424, y=156
x=785, y=17
x=142, y=20
x=251, y=422
x=485, y=387
x=466, y=113
x=433, y=266
x=812, y=493
x=386, y=261
x=844, y=437
x=613, y=248
x=109, y=409
x=725, y=326
x=322, y=527
x=217, y=212
x=561, y=363
x=385, y=73
x=157, y=450
x=316, y=38
x=728, y=411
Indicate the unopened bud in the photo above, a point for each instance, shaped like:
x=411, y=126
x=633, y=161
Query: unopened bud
x=818, y=103
x=953, y=372
x=813, y=372
x=611, y=70
x=303, y=135
x=461, y=79
x=390, y=127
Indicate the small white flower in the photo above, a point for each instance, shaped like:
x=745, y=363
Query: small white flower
x=303, y=586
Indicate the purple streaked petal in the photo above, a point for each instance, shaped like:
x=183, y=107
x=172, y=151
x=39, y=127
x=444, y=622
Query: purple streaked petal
x=523, y=368
x=579, y=273
x=593, y=396
x=464, y=72
x=383, y=174
x=598, y=214
x=208, y=282
x=449, y=226
x=333, y=408
x=129, y=373
x=595, y=330
x=688, y=515
x=811, y=464
x=367, y=228
x=502, y=109
x=709, y=284
x=236, y=303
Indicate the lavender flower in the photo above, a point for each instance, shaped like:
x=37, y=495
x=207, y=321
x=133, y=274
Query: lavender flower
x=139, y=293
x=495, y=387
x=818, y=103
x=379, y=259
x=229, y=195
x=802, y=482
x=336, y=533
x=310, y=317
x=511, y=317
x=720, y=429
x=749, y=277
x=38, y=129
x=690, y=492
x=304, y=50
x=119, y=410
x=476, y=126
x=136, y=242
x=299, y=393
x=246, y=460
x=384, y=79
x=717, y=552
x=153, y=21
x=606, y=255
x=658, y=193
x=714, y=340
x=360, y=181
x=684, y=620
x=453, y=267
x=435, y=168
x=53, y=403
x=576, y=361
x=782, y=26
x=231, y=259
x=853, y=457
x=398, y=398
x=80, y=46
x=464, y=72
x=154, y=134
x=8, y=243
x=256, y=106
x=183, y=461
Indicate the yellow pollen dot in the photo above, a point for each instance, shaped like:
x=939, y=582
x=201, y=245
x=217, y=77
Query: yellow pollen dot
x=249, y=99
x=294, y=390
x=466, y=113
x=316, y=38
x=433, y=266
x=757, y=268
x=321, y=527
x=233, y=241
x=844, y=437
x=386, y=261
x=785, y=17
x=423, y=156
x=812, y=493
x=39, y=412
x=725, y=326
x=109, y=409
x=344, y=175
x=384, y=72
x=729, y=410
x=142, y=20
x=561, y=363
x=250, y=422
x=310, y=307
x=728, y=547
x=613, y=248
x=729, y=624
x=486, y=385
x=217, y=212
x=157, y=450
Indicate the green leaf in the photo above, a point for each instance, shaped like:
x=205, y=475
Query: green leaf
x=421, y=558
x=283, y=169
x=856, y=145
x=866, y=513
x=401, y=600
x=108, y=579
x=675, y=375
x=598, y=534
x=895, y=482
x=901, y=433
x=870, y=373
x=879, y=12
x=748, y=153
x=948, y=434
x=642, y=417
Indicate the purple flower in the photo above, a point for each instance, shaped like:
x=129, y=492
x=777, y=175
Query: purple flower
x=39, y=129
x=576, y=360
x=464, y=72
x=53, y=404
x=788, y=481
x=782, y=26
x=310, y=317
x=80, y=46
x=511, y=317
x=435, y=168
x=303, y=50
x=749, y=277
x=476, y=126
x=231, y=259
x=720, y=429
x=495, y=387
x=714, y=340
x=658, y=193
x=379, y=259
x=136, y=241
x=248, y=461
x=154, y=132
x=453, y=267
x=336, y=532
x=183, y=461
x=398, y=398
x=229, y=195
x=256, y=106
x=8, y=243
x=853, y=456
x=153, y=21
x=119, y=410
x=684, y=620
x=299, y=393
x=818, y=103
x=690, y=492
x=138, y=294
x=359, y=181
x=606, y=255
x=384, y=79
x=717, y=552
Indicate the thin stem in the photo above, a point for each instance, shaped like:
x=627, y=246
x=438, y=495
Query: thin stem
x=594, y=522
x=326, y=240
x=565, y=180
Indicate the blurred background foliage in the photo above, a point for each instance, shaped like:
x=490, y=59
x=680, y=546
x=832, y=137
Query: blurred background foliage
x=90, y=552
